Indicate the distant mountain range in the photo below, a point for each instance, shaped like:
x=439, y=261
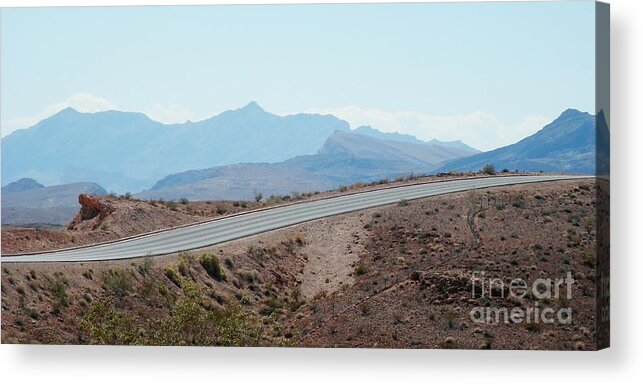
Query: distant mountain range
x=27, y=202
x=126, y=151
x=238, y=152
x=345, y=158
x=567, y=145
x=370, y=131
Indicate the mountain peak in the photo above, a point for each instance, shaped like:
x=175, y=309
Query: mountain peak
x=567, y=145
x=67, y=111
x=570, y=113
x=22, y=185
x=253, y=106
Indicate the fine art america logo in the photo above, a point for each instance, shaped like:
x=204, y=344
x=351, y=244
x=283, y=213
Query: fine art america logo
x=542, y=290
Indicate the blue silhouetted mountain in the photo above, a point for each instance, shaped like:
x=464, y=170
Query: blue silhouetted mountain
x=127, y=151
x=52, y=205
x=21, y=185
x=456, y=144
x=367, y=130
x=568, y=144
x=345, y=158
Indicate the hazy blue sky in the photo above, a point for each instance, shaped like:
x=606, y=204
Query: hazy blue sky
x=488, y=73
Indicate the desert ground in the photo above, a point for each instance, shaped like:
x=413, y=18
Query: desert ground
x=398, y=276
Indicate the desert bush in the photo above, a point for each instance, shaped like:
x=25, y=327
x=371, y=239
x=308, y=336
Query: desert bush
x=212, y=266
x=189, y=323
x=172, y=276
x=146, y=266
x=256, y=253
x=250, y=277
x=403, y=203
x=450, y=317
x=299, y=239
x=237, y=328
x=518, y=201
x=184, y=269
x=360, y=270
x=106, y=325
x=488, y=169
x=186, y=259
x=296, y=300
x=57, y=286
x=258, y=196
x=117, y=281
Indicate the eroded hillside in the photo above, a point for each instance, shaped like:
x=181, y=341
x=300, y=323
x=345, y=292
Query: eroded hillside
x=394, y=276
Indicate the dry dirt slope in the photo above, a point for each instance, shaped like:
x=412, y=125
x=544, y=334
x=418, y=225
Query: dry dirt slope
x=395, y=276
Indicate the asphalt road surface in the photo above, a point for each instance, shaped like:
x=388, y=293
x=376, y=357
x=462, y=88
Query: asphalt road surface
x=252, y=223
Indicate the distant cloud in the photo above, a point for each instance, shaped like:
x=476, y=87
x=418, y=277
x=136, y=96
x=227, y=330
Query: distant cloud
x=88, y=103
x=478, y=129
x=170, y=114
x=80, y=101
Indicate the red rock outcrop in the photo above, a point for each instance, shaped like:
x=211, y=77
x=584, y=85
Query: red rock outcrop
x=91, y=207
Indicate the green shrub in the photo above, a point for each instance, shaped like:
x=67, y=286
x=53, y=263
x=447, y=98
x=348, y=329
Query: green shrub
x=57, y=286
x=105, y=325
x=186, y=259
x=118, y=282
x=360, y=270
x=146, y=266
x=237, y=328
x=172, y=276
x=212, y=266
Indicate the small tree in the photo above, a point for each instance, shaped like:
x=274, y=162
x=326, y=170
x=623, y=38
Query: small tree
x=489, y=169
x=258, y=196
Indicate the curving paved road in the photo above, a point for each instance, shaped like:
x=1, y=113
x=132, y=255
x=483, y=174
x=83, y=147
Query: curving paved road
x=235, y=227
